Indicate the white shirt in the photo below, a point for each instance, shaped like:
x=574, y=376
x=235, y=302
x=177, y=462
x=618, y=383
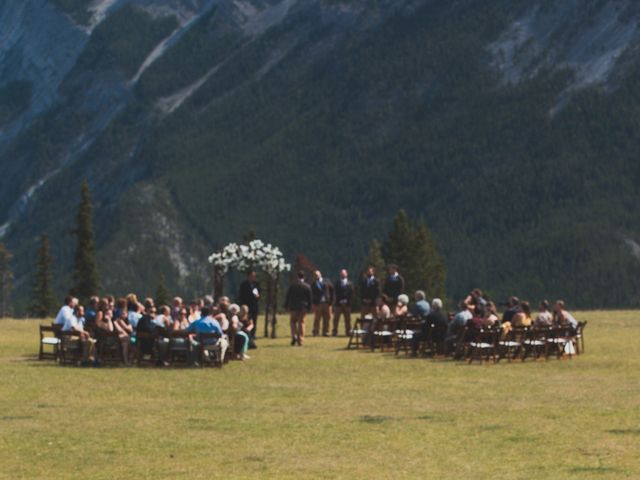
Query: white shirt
x=71, y=323
x=65, y=312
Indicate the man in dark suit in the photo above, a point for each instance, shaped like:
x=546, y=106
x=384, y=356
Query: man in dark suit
x=249, y=295
x=369, y=291
x=322, y=297
x=298, y=303
x=343, y=292
x=394, y=286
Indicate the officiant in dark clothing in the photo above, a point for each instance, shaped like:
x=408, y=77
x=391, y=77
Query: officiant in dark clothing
x=394, y=286
x=298, y=303
x=343, y=293
x=369, y=292
x=322, y=296
x=249, y=295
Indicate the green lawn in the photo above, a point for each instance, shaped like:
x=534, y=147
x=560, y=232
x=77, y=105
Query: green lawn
x=323, y=412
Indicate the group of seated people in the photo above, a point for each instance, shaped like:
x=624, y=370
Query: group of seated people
x=475, y=311
x=108, y=320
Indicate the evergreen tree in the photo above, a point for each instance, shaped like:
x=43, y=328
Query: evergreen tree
x=43, y=302
x=399, y=246
x=6, y=280
x=85, y=273
x=375, y=259
x=162, y=294
x=427, y=271
x=414, y=250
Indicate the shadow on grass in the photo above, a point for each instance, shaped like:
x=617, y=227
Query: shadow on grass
x=374, y=419
x=624, y=431
x=598, y=469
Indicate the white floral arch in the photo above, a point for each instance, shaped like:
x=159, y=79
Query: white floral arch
x=254, y=255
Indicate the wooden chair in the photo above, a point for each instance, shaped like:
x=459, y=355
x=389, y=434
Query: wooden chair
x=465, y=336
x=484, y=344
x=358, y=337
x=209, y=350
x=49, y=343
x=579, y=337
x=403, y=336
x=108, y=347
x=382, y=333
x=535, y=343
x=561, y=341
x=510, y=345
x=179, y=346
x=141, y=339
x=70, y=348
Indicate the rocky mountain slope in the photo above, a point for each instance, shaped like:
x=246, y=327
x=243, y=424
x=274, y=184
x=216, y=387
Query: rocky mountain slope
x=510, y=126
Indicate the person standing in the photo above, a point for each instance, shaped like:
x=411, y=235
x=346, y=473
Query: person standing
x=249, y=295
x=343, y=293
x=322, y=298
x=298, y=303
x=369, y=292
x=394, y=286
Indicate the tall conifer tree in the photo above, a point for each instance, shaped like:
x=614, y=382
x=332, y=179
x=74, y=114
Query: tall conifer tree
x=162, y=294
x=6, y=280
x=85, y=273
x=43, y=302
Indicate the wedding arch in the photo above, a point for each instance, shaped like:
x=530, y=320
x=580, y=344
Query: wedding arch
x=252, y=256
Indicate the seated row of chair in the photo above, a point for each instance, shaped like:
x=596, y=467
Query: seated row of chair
x=468, y=343
x=161, y=346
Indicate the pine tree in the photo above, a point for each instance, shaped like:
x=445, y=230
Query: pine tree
x=85, y=274
x=43, y=302
x=375, y=259
x=398, y=248
x=427, y=271
x=162, y=294
x=6, y=280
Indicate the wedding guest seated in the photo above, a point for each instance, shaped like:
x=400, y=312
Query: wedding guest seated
x=491, y=315
x=208, y=324
x=163, y=319
x=475, y=300
x=457, y=324
x=194, y=311
x=177, y=306
x=478, y=320
x=247, y=324
x=104, y=317
x=71, y=324
x=544, y=318
x=513, y=307
x=66, y=312
x=522, y=318
x=240, y=339
x=91, y=312
x=421, y=307
x=125, y=335
x=79, y=313
x=401, y=309
x=383, y=312
x=134, y=310
x=148, y=323
x=440, y=322
x=562, y=317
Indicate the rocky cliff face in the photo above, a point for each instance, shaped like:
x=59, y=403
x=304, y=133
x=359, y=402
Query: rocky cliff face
x=164, y=104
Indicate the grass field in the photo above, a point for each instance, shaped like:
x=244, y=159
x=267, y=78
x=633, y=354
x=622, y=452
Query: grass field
x=323, y=412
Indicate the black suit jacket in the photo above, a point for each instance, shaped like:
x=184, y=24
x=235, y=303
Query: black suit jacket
x=298, y=297
x=317, y=293
x=246, y=296
x=393, y=287
x=343, y=293
x=369, y=291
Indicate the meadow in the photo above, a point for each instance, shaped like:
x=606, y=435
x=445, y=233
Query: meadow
x=321, y=411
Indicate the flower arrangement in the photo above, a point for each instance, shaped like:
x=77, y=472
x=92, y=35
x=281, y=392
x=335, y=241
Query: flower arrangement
x=256, y=254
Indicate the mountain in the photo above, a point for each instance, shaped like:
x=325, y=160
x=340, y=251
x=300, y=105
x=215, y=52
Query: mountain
x=510, y=126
